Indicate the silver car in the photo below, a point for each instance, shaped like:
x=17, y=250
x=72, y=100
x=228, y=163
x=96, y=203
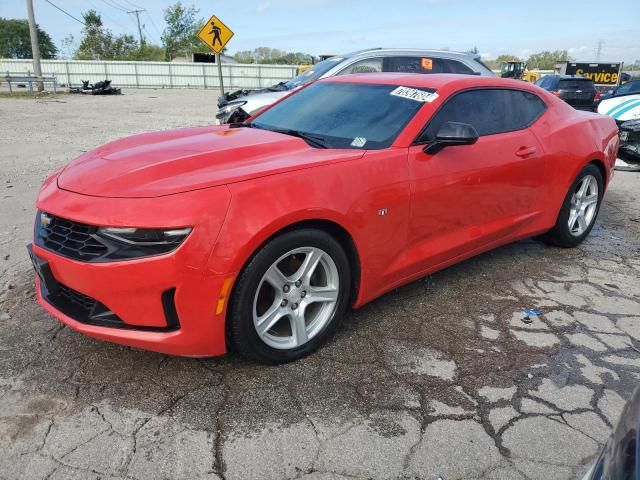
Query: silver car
x=240, y=105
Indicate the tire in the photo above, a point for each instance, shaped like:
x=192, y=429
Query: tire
x=562, y=235
x=282, y=307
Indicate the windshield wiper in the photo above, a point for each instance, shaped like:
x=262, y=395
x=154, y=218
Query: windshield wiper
x=310, y=138
x=279, y=87
x=242, y=124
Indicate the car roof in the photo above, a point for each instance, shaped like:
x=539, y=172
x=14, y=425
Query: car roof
x=411, y=51
x=568, y=77
x=433, y=81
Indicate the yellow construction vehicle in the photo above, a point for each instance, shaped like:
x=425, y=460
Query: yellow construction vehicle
x=518, y=70
x=304, y=68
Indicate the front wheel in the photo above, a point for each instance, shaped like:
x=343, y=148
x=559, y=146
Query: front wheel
x=290, y=297
x=579, y=210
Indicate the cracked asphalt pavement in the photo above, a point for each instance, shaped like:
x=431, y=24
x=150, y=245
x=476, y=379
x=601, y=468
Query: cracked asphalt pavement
x=437, y=378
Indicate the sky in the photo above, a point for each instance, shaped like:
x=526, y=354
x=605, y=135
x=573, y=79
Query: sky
x=518, y=27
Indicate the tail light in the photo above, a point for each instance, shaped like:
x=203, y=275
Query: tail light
x=597, y=97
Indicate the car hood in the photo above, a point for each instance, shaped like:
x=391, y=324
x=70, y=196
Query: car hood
x=626, y=107
x=164, y=163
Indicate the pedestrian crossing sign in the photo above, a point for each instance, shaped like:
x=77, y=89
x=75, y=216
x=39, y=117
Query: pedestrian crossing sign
x=215, y=34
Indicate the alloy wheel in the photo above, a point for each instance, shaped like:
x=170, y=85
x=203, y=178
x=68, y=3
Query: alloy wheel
x=584, y=204
x=296, y=298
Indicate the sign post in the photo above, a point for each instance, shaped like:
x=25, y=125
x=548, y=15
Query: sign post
x=215, y=35
x=219, y=62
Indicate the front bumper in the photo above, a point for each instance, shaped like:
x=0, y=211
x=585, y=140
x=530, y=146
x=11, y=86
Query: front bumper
x=146, y=304
x=137, y=298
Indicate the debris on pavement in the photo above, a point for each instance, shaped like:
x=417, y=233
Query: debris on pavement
x=529, y=313
x=99, y=88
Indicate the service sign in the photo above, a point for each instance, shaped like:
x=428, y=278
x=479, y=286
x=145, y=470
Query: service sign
x=601, y=73
x=215, y=34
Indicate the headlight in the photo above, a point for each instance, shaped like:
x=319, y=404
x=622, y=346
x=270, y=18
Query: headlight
x=146, y=236
x=225, y=112
x=141, y=242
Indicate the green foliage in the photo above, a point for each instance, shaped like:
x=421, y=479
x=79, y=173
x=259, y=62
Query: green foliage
x=273, y=56
x=146, y=53
x=15, y=41
x=99, y=43
x=547, y=60
x=180, y=35
x=635, y=66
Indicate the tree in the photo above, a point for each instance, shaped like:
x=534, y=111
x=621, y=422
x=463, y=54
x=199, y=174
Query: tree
x=147, y=53
x=547, y=60
x=268, y=55
x=99, y=43
x=15, y=41
x=180, y=35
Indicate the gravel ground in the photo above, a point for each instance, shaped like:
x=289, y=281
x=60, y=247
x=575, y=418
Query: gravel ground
x=440, y=377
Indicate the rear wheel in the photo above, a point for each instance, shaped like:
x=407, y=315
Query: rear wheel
x=579, y=210
x=290, y=297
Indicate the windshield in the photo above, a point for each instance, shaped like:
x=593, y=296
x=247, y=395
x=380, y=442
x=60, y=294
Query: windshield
x=346, y=115
x=628, y=88
x=314, y=73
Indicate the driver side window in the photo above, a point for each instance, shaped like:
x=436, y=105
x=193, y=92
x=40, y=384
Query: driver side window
x=368, y=65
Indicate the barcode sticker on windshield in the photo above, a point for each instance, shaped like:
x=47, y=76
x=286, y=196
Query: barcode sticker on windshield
x=414, y=94
x=359, y=142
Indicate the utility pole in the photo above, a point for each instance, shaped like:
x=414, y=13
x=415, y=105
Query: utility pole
x=599, y=50
x=137, y=14
x=35, y=48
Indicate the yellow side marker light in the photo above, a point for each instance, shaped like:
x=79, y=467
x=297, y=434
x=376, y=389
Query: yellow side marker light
x=222, y=297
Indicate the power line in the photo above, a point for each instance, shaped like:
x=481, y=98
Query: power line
x=65, y=12
x=154, y=25
x=134, y=5
x=114, y=5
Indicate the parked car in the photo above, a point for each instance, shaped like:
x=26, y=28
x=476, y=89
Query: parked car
x=620, y=457
x=239, y=105
x=258, y=236
x=629, y=88
x=623, y=105
x=577, y=91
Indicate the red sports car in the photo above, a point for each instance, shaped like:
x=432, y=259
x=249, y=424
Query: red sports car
x=258, y=236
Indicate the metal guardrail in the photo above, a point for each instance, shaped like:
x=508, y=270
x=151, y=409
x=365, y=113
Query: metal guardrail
x=156, y=74
x=16, y=79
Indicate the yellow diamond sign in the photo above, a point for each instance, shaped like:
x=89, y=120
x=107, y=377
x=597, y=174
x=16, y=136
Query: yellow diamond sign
x=215, y=34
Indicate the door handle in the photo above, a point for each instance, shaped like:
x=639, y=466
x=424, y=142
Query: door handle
x=524, y=152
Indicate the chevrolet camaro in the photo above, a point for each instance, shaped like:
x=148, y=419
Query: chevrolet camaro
x=257, y=237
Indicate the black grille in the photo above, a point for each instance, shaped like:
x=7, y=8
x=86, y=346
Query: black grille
x=88, y=310
x=68, y=238
x=79, y=300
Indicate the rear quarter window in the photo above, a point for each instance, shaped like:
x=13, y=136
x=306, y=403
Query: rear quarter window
x=489, y=110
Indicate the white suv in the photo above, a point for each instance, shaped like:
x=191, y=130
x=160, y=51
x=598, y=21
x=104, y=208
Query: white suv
x=239, y=105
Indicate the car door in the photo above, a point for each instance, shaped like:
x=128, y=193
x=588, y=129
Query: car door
x=464, y=198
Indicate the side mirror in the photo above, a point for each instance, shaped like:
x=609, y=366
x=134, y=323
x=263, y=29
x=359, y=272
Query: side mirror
x=450, y=135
